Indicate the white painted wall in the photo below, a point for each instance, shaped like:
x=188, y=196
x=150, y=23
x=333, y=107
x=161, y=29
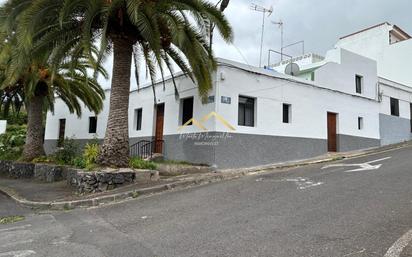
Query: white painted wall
x=310, y=105
x=78, y=127
x=393, y=60
x=401, y=92
x=368, y=43
x=340, y=70
x=3, y=126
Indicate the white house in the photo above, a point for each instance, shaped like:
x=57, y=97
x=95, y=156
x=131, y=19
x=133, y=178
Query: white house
x=257, y=116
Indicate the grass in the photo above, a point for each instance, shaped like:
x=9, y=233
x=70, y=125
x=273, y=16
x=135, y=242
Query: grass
x=135, y=194
x=11, y=219
x=137, y=163
x=174, y=162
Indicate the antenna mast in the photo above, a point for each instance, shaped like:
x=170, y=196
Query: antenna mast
x=263, y=10
x=280, y=23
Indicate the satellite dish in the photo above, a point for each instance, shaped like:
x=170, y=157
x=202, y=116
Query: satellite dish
x=292, y=69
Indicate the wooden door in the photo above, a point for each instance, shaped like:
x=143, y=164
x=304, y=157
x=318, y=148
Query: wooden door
x=332, y=137
x=160, y=113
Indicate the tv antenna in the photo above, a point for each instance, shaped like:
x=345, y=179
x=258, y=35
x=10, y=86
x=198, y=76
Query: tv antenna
x=263, y=10
x=280, y=24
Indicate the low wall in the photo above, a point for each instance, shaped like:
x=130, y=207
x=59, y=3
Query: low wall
x=82, y=181
x=94, y=182
x=16, y=169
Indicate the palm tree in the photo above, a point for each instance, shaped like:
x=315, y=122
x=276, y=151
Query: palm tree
x=160, y=34
x=42, y=77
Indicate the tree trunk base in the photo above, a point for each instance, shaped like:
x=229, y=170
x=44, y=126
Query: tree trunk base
x=33, y=147
x=114, y=153
x=115, y=149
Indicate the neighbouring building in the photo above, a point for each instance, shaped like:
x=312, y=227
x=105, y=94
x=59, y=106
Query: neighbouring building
x=358, y=96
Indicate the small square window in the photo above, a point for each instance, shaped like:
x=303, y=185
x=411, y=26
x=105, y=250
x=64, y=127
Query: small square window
x=187, y=110
x=92, y=124
x=246, y=112
x=138, y=113
x=360, y=123
x=394, y=107
x=287, y=113
x=359, y=84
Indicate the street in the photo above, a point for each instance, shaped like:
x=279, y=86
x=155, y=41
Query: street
x=356, y=207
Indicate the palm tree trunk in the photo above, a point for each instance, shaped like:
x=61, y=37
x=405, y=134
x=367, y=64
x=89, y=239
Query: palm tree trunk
x=33, y=147
x=115, y=149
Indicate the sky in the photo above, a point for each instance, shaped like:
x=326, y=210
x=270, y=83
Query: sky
x=318, y=22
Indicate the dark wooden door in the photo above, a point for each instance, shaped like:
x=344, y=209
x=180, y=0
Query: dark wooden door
x=332, y=140
x=160, y=113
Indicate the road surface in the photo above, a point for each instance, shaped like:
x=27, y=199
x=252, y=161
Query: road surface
x=357, y=207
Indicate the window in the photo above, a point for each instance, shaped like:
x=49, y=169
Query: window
x=360, y=123
x=394, y=107
x=286, y=113
x=62, y=128
x=359, y=82
x=138, y=119
x=246, y=114
x=187, y=110
x=92, y=124
x=312, y=76
x=410, y=113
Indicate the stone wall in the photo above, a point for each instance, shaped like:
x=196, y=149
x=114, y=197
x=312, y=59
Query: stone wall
x=38, y=171
x=82, y=181
x=93, y=182
x=16, y=169
x=49, y=173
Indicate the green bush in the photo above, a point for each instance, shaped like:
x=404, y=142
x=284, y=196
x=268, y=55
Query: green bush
x=15, y=119
x=79, y=162
x=68, y=152
x=137, y=163
x=12, y=142
x=90, y=153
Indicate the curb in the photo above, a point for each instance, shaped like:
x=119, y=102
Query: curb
x=92, y=202
x=339, y=156
x=210, y=178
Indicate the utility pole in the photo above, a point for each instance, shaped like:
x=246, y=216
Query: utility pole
x=263, y=10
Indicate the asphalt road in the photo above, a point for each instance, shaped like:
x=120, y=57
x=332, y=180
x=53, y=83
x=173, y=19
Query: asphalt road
x=307, y=211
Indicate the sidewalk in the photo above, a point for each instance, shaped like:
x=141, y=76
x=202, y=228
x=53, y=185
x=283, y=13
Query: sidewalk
x=59, y=195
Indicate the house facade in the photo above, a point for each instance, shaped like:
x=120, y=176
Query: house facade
x=256, y=116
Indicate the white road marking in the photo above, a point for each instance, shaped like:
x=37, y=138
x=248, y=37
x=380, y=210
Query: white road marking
x=362, y=166
x=17, y=243
x=378, y=160
x=397, y=248
x=355, y=253
x=15, y=228
x=303, y=183
x=22, y=253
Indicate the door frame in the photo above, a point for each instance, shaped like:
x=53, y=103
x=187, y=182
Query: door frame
x=333, y=145
x=158, y=148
